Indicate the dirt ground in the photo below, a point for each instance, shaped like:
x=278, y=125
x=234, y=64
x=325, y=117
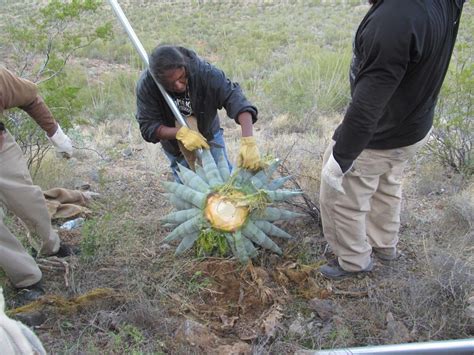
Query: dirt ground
x=127, y=292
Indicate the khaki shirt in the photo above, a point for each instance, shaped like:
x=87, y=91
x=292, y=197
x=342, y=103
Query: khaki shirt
x=22, y=93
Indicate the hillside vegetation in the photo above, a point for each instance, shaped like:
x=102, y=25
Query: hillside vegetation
x=292, y=60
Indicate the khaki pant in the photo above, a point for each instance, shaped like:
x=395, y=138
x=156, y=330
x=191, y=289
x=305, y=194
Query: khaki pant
x=26, y=201
x=368, y=215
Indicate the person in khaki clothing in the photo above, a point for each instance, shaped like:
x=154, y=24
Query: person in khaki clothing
x=401, y=54
x=17, y=192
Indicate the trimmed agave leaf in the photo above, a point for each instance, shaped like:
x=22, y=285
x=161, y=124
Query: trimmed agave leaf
x=180, y=216
x=210, y=167
x=249, y=247
x=282, y=195
x=223, y=166
x=231, y=243
x=261, y=178
x=186, y=243
x=169, y=225
x=272, y=214
x=242, y=177
x=271, y=229
x=186, y=193
x=191, y=179
x=177, y=202
x=279, y=182
x=189, y=227
x=201, y=173
x=240, y=246
x=256, y=235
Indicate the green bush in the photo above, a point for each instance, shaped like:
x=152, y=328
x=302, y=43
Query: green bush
x=40, y=45
x=453, y=131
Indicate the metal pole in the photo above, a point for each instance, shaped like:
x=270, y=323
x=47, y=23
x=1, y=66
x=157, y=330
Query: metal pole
x=449, y=347
x=141, y=51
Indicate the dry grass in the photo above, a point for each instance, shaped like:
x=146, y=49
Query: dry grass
x=425, y=290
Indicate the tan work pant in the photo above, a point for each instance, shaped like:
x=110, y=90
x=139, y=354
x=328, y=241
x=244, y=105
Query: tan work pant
x=368, y=215
x=25, y=200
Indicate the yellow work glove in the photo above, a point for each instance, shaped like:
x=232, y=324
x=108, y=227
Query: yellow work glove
x=191, y=140
x=249, y=157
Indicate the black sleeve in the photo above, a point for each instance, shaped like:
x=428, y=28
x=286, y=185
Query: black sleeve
x=149, y=113
x=229, y=95
x=384, y=49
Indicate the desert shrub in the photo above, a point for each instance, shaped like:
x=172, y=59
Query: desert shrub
x=453, y=131
x=40, y=46
x=459, y=214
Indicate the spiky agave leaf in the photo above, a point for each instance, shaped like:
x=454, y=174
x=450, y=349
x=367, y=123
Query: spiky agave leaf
x=272, y=167
x=260, y=179
x=242, y=178
x=282, y=195
x=186, y=243
x=237, y=242
x=189, y=227
x=273, y=214
x=177, y=202
x=210, y=168
x=271, y=229
x=179, y=217
x=256, y=235
x=251, y=250
x=200, y=172
x=223, y=166
x=231, y=242
x=279, y=182
x=186, y=193
x=191, y=179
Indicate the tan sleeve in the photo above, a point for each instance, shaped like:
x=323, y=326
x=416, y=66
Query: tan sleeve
x=22, y=93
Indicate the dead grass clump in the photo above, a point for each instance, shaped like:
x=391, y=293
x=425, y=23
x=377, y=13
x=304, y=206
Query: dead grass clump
x=459, y=215
x=434, y=305
x=453, y=276
x=430, y=178
x=73, y=305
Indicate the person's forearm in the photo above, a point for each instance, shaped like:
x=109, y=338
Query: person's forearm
x=42, y=115
x=246, y=124
x=166, y=133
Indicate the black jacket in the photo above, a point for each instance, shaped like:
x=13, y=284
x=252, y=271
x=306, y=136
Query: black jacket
x=209, y=90
x=401, y=51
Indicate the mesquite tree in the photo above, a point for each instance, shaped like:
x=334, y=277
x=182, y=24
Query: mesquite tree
x=38, y=47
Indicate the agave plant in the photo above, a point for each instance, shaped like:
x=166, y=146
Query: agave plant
x=230, y=211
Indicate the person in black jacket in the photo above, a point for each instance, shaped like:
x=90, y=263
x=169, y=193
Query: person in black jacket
x=198, y=89
x=402, y=50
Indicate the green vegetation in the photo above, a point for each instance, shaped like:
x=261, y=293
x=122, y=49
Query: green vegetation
x=292, y=60
x=40, y=45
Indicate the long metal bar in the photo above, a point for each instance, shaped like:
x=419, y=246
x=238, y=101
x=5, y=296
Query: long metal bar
x=449, y=347
x=141, y=51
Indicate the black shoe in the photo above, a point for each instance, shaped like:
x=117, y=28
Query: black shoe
x=31, y=319
x=67, y=250
x=385, y=255
x=29, y=294
x=334, y=271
